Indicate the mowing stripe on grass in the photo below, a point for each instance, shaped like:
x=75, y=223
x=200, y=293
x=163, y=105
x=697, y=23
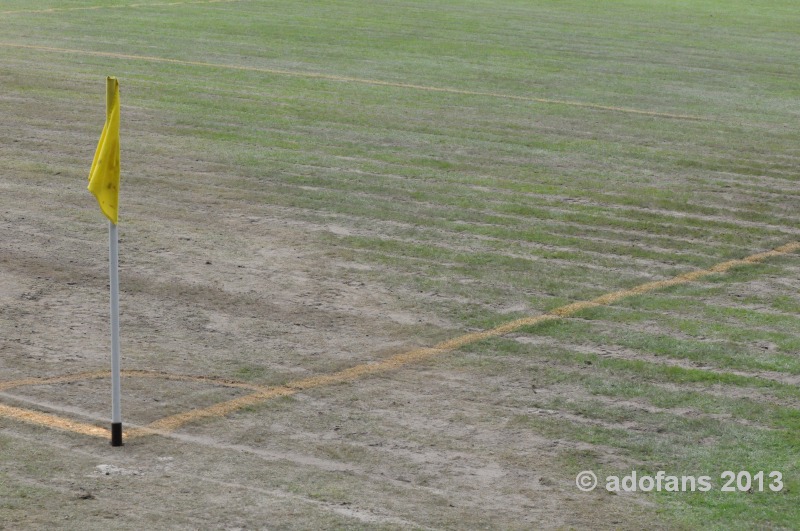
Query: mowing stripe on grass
x=417, y=355
x=346, y=79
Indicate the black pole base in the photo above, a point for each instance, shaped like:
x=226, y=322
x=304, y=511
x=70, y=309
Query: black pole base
x=116, y=434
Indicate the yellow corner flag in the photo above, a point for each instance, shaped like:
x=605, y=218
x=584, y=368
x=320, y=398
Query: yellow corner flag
x=104, y=175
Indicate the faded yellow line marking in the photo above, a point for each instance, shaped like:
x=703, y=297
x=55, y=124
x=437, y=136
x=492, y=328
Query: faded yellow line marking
x=93, y=375
x=4, y=386
x=345, y=79
x=190, y=378
x=262, y=394
x=119, y=6
x=174, y=422
x=61, y=423
x=52, y=421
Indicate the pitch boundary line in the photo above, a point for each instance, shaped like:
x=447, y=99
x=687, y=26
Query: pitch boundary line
x=262, y=394
x=365, y=81
x=52, y=421
x=120, y=6
x=49, y=420
x=174, y=422
x=92, y=375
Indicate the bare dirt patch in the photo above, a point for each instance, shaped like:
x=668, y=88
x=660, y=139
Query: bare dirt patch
x=220, y=286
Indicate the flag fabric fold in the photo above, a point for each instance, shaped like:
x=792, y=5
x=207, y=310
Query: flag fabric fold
x=104, y=175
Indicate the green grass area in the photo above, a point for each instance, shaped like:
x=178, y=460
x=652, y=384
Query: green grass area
x=513, y=194
x=682, y=421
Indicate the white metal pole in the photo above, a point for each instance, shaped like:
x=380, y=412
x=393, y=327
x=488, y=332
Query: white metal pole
x=113, y=273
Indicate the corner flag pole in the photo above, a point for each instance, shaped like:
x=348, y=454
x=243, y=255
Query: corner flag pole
x=104, y=185
x=116, y=395
x=112, y=87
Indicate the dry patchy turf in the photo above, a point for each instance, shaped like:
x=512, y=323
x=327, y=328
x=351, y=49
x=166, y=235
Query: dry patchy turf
x=314, y=186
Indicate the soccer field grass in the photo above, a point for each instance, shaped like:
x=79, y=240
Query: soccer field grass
x=323, y=207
